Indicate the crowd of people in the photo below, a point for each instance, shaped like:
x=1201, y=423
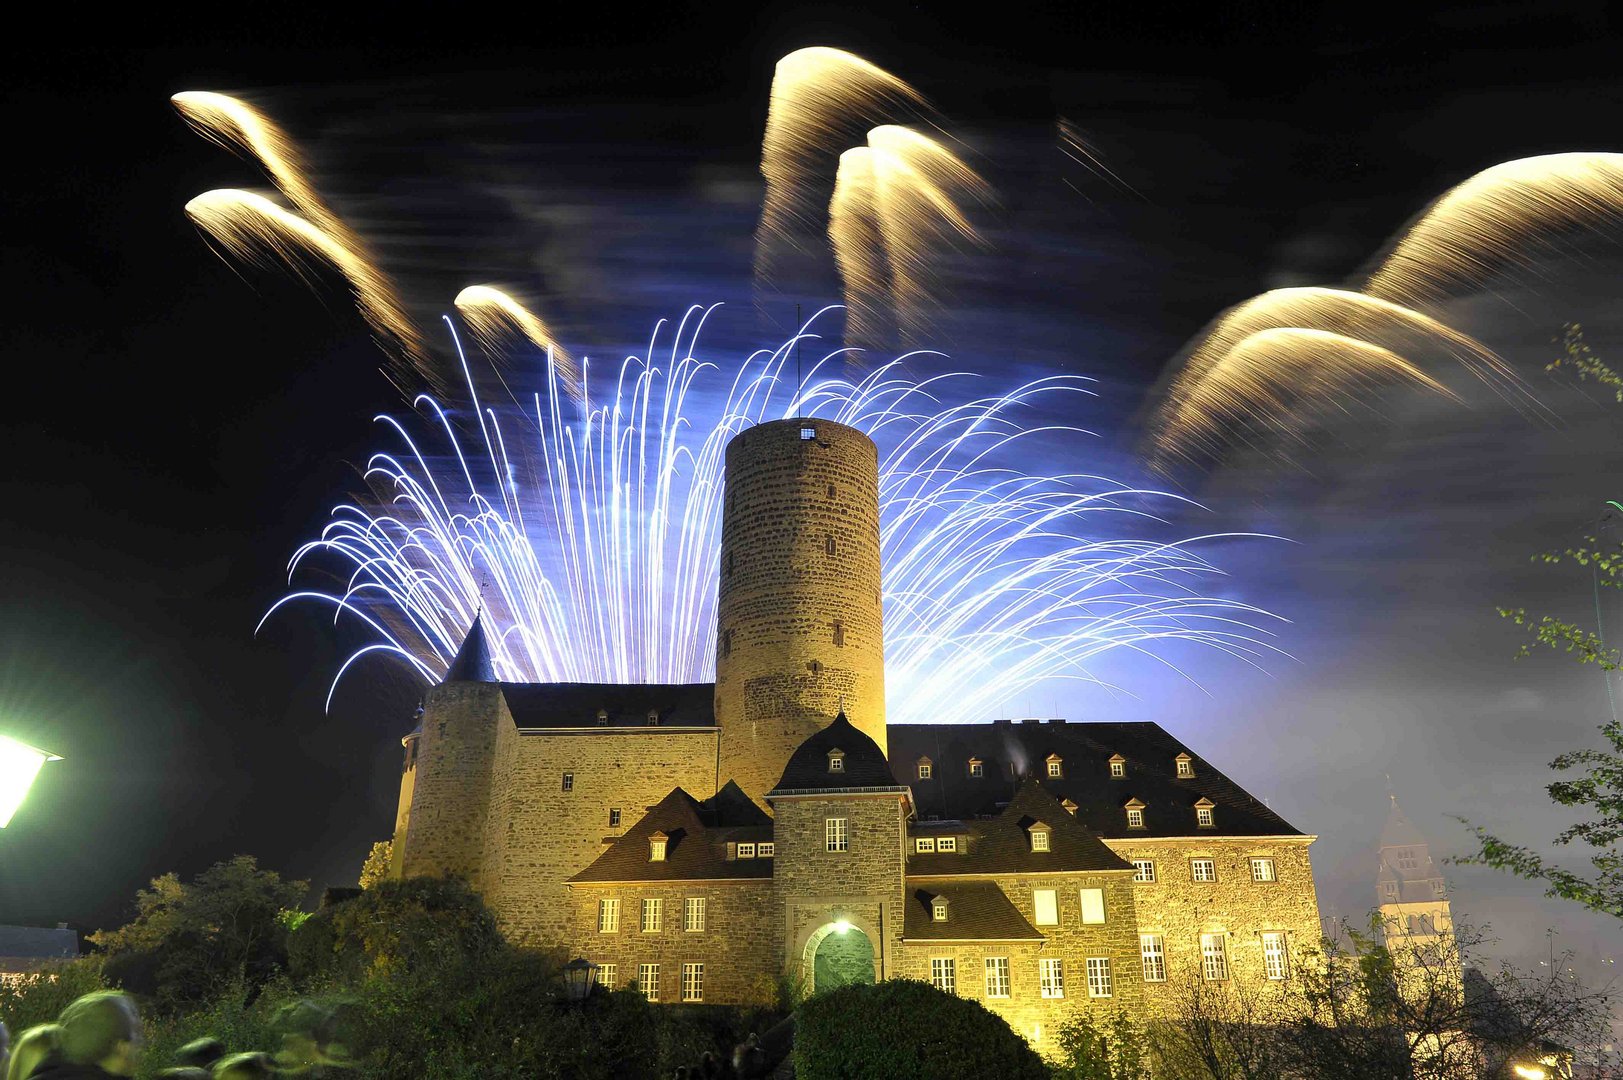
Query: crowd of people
x=100, y=1036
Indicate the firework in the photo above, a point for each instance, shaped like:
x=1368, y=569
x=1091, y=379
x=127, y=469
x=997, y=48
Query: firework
x=820, y=96
x=1184, y=425
x=494, y=316
x=1502, y=217
x=600, y=564
x=853, y=232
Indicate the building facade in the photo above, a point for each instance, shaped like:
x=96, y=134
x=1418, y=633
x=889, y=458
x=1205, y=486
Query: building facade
x=712, y=842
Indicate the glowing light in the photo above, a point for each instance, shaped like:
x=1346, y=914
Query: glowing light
x=595, y=550
x=820, y=97
x=842, y=926
x=19, y=766
x=853, y=233
x=1504, y=216
x=494, y=316
x=1529, y=1072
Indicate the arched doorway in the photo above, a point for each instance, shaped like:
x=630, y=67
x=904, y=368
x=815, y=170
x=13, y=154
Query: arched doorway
x=838, y=954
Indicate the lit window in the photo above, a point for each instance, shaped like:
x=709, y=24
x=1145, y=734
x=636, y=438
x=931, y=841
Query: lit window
x=746, y=851
x=1047, y=905
x=1118, y=767
x=1186, y=766
x=569, y=781
x=976, y=768
x=1152, y=952
x=1202, y=870
x=1143, y=870
x=807, y=434
x=608, y=915
x=1273, y=955
x=765, y=850
x=1051, y=976
x=656, y=847
x=1099, y=977
x=997, y=976
x=1093, y=907
x=653, y=915
x=1203, y=815
x=1039, y=839
x=693, y=915
x=836, y=761
x=938, y=909
x=1214, y=957
x=608, y=975
x=614, y=818
x=944, y=974
x=836, y=834
x=924, y=845
x=692, y=982
x=1056, y=768
x=1135, y=818
x=926, y=770
x=947, y=843
x=648, y=981
x=1262, y=870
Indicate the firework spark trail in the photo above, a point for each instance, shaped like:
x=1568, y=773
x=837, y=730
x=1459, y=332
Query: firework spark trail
x=820, y=96
x=602, y=566
x=859, y=253
x=921, y=189
x=1184, y=426
x=1505, y=216
x=235, y=125
x=495, y=317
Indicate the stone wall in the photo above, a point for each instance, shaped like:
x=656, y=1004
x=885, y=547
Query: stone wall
x=799, y=627
x=451, y=787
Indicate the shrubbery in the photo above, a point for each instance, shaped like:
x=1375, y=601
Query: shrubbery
x=902, y=1029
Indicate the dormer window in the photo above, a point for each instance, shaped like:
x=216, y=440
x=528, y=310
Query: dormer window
x=977, y=767
x=938, y=909
x=746, y=851
x=926, y=768
x=1184, y=765
x=1135, y=814
x=1118, y=766
x=656, y=846
x=1203, y=814
x=924, y=845
x=653, y=717
x=602, y=717
x=836, y=760
x=1056, y=766
x=1039, y=837
x=1070, y=807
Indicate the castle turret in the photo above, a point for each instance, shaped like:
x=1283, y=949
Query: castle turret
x=799, y=625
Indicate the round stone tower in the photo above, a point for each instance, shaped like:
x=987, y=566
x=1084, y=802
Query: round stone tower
x=798, y=628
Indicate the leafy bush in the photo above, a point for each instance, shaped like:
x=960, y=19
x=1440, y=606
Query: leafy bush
x=40, y=998
x=902, y=1029
x=1102, y=1049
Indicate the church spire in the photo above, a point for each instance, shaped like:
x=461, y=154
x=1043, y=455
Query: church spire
x=472, y=662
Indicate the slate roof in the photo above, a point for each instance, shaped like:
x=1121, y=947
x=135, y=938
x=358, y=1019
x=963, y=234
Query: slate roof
x=807, y=770
x=24, y=948
x=696, y=833
x=1002, y=845
x=472, y=662
x=1085, y=750
x=976, y=911
x=576, y=705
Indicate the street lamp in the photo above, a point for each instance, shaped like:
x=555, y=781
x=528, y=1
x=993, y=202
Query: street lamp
x=19, y=764
x=579, y=978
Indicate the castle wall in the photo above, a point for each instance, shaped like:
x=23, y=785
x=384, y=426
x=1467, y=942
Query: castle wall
x=799, y=616
x=451, y=783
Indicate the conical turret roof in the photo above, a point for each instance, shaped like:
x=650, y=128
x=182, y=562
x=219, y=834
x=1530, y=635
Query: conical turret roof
x=1399, y=831
x=472, y=662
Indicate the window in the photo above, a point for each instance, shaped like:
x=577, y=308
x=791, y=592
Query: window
x=1202, y=870
x=1438, y=889
x=726, y=643
x=938, y=909
x=693, y=915
x=653, y=718
x=1273, y=955
x=1093, y=907
x=614, y=817
x=836, y=761
x=1051, y=976
x=1152, y=952
x=1047, y=907
x=839, y=627
x=1099, y=976
x=1118, y=767
x=997, y=976
x=947, y=843
x=1135, y=818
x=926, y=770
x=1390, y=888
x=1143, y=870
x=569, y=781
x=924, y=845
x=828, y=549
x=814, y=666
x=602, y=718
x=765, y=850
x=1214, y=957
x=608, y=975
x=1407, y=860
x=944, y=974
x=729, y=564
x=1203, y=816
x=656, y=847
x=648, y=980
x=836, y=833
x=692, y=982
x=608, y=915
x=1262, y=870
x=653, y=914
x=1039, y=839
x=976, y=768
x=807, y=434
x=831, y=492
x=1185, y=766
x=746, y=851
x=1056, y=768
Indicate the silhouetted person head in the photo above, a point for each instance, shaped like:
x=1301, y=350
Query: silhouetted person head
x=200, y=1053
x=245, y=1067
x=32, y=1047
x=100, y=1036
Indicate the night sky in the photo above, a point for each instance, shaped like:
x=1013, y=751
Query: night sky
x=178, y=425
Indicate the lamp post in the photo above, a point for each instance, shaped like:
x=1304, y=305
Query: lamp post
x=580, y=976
x=19, y=765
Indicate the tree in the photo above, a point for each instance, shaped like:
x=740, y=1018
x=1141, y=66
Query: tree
x=189, y=940
x=378, y=860
x=1111, y=1049
x=1221, y=1030
x=1598, y=791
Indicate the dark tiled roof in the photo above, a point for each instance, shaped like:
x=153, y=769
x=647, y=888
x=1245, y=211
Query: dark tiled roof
x=865, y=765
x=1085, y=750
x=1002, y=845
x=472, y=661
x=576, y=705
x=696, y=846
x=976, y=911
x=37, y=943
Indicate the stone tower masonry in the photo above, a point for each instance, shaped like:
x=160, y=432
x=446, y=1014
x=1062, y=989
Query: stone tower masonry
x=799, y=632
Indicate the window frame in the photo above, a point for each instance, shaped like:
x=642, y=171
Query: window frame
x=1275, y=960
x=1101, y=982
x=614, y=817
x=837, y=835
x=1051, y=977
x=693, y=981
x=648, y=981
x=997, y=975
x=1152, y=957
x=652, y=920
x=1056, y=770
x=745, y=850
x=569, y=781
x=944, y=974
x=924, y=845
x=766, y=849
x=1104, y=915
x=1039, y=840
x=1269, y=870
x=938, y=909
x=695, y=913
x=1211, y=868
x=1135, y=817
x=946, y=845
x=1214, y=957
x=608, y=915
x=926, y=770
x=607, y=974
x=1143, y=871
x=1037, y=907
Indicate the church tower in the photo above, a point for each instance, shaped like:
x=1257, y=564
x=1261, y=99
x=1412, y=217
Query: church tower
x=799, y=634
x=1410, y=891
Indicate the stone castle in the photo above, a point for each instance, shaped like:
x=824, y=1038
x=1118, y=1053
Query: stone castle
x=706, y=841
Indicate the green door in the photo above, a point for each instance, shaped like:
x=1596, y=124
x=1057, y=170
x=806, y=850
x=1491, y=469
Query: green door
x=842, y=958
